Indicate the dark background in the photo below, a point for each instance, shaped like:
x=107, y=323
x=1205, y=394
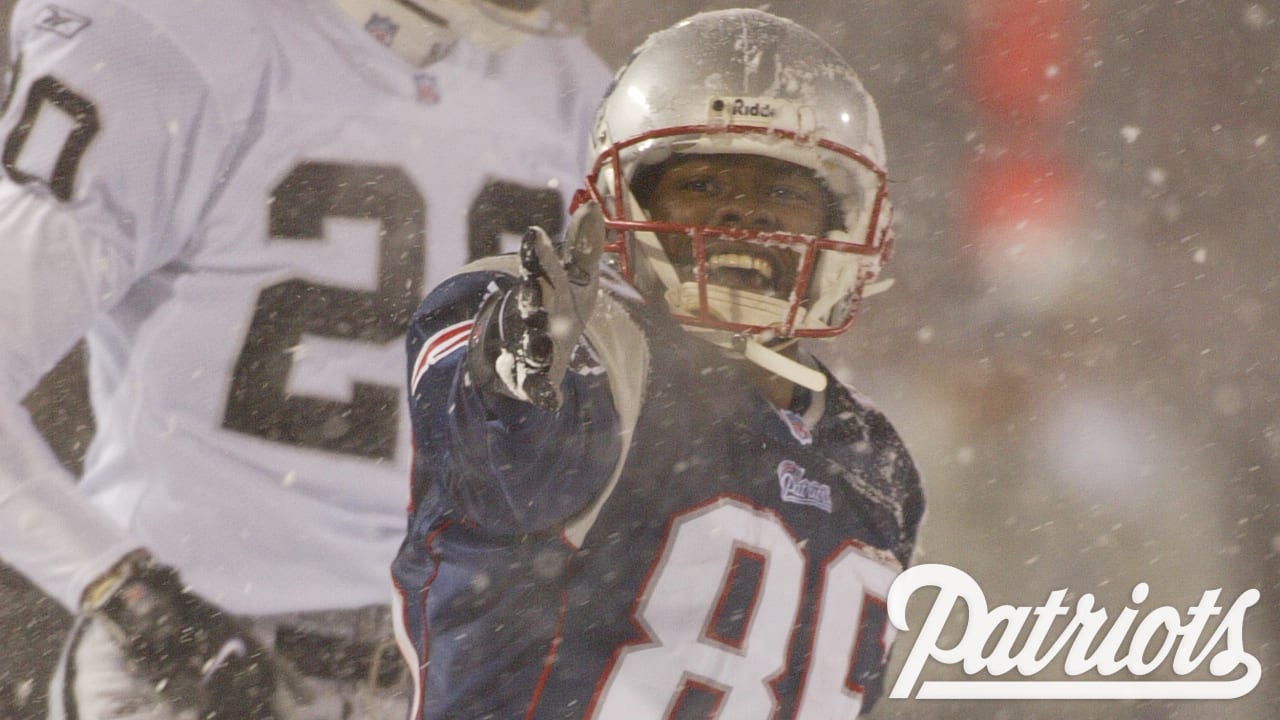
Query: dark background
x=1082, y=348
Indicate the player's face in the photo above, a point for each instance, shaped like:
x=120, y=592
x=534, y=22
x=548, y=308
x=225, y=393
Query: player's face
x=741, y=192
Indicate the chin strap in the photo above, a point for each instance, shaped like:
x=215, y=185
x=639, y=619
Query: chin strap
x=783, y=366
x=756, y=352
x=748, y=307
x=732, y=305
x=875, y=288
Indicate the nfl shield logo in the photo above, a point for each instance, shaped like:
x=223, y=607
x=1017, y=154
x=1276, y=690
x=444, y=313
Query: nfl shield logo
x=428, y=91
x=798, y=427
x=382, y=28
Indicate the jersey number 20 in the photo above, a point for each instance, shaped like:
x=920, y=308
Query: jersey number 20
x=259, y=402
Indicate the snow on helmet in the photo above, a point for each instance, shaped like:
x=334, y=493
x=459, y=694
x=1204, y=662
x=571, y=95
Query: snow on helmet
x=746, y=82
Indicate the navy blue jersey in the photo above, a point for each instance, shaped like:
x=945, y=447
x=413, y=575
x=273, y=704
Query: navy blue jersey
x=666, y=545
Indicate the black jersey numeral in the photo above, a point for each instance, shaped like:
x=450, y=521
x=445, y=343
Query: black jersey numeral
x=506, y=207
x=48, y=90
x=258, y=403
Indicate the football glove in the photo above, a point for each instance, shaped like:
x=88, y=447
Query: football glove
x=524, y=337
x=198, y=657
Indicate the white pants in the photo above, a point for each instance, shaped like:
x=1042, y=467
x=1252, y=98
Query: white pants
x=93, y=681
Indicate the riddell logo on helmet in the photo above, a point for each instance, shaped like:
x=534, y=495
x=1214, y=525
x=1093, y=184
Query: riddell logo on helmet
x=756, y=109
x=745, y=110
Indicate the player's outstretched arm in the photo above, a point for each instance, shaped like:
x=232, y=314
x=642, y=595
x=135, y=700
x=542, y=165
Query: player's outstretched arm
x=523, y=337
x=513, y=415
x=201, y=657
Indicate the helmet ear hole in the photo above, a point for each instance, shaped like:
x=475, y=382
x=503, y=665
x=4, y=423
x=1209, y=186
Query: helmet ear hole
x=644, y=182
x=835, y=219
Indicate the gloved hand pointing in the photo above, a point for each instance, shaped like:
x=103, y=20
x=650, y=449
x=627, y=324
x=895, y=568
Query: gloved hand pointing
x=524, y=337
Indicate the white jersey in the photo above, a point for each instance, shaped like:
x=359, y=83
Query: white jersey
x=240, y=203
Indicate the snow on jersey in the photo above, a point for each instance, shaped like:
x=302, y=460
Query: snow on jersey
x=666, y=545
x=242, y=203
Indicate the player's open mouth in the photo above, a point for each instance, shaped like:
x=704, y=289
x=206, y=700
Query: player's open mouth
x=751, y=269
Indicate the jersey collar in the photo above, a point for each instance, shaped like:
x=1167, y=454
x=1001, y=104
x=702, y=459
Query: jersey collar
x=419, y=36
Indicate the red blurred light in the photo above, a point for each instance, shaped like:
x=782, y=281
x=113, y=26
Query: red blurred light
x=1024, y=59
x=1017, y=191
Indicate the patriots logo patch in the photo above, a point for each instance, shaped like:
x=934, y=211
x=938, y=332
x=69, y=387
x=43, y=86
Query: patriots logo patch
x=61, y=21
x=796, y=489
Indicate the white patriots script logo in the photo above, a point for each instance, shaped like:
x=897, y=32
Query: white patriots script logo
x=796, y=489
x=1020, y=640
x=61, y=21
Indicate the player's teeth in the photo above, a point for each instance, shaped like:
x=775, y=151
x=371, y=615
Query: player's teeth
x=742, y=262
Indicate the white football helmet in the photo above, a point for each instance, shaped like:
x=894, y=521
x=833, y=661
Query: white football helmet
x=745, y=81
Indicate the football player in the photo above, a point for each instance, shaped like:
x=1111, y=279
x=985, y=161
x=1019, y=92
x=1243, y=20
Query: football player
x=239, y=204
x=636, y=494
